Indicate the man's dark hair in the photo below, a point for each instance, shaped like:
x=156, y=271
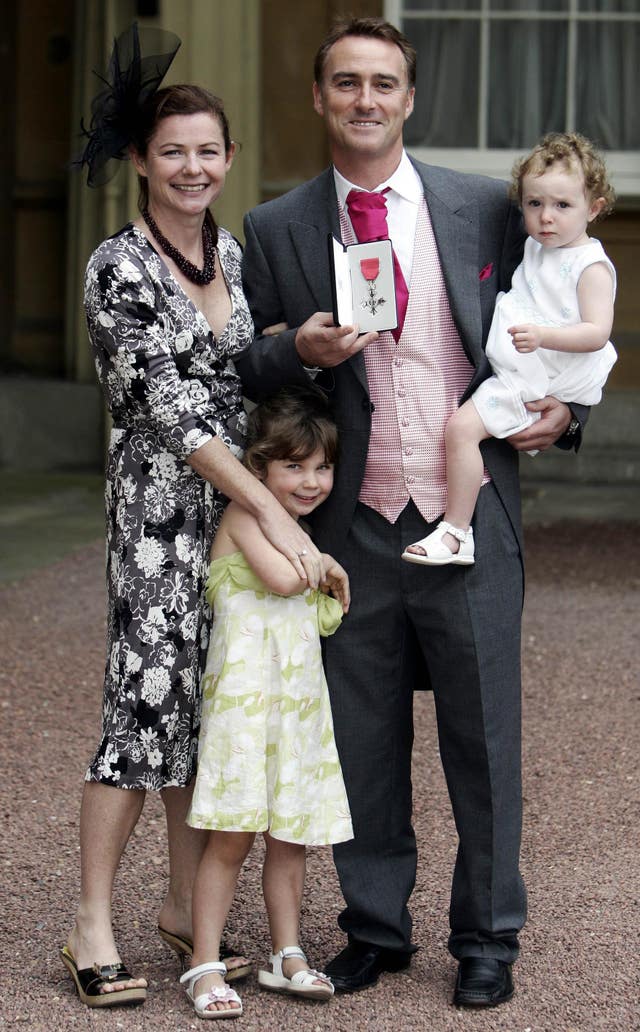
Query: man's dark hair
x=375, y=28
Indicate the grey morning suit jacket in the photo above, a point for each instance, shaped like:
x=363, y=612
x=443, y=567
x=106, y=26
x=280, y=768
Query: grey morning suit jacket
x=286, y=279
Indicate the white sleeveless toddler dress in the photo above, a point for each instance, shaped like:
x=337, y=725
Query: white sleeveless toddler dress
x=543, y=292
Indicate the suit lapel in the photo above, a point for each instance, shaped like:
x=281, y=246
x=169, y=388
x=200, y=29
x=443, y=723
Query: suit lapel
x=310, y=245
x=455, y=226
x=309, y=237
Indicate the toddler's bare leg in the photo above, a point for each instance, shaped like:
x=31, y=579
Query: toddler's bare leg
x=465, y=430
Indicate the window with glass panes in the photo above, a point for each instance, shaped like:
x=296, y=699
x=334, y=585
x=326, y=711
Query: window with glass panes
x=495, y=75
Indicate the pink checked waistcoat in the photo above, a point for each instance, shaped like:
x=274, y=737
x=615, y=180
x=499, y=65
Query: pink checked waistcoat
x=414, y=385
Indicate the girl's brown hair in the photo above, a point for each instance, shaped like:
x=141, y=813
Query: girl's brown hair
x=291, y=424
x=573, y=151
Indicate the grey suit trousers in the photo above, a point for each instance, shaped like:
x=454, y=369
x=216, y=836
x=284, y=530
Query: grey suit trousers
x=457, y=630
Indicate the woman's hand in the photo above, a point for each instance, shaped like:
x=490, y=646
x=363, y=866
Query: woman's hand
x=288, y=537
x=336, y=581
x=215, y=463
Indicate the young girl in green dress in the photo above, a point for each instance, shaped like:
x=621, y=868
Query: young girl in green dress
x=267, y=756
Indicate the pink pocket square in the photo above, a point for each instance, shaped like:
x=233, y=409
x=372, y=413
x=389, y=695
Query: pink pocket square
x=486, y=272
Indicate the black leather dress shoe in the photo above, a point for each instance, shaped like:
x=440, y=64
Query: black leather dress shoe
x=483, y=982
x=359, y=965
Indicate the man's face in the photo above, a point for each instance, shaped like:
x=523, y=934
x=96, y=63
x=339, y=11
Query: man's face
x=364, y=98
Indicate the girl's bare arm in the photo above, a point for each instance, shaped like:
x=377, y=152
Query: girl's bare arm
x=595, y=301
x=215, y=463
x=240, y=531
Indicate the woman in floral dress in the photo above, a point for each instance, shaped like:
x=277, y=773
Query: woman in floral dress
x=166, y=315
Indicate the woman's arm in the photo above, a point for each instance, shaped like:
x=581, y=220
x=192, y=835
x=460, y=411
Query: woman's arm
x=279, y=531
x=136, y=364
x=139, y=373
x=240, y=531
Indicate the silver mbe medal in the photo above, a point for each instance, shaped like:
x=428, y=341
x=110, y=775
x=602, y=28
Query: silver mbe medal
x=370, y=268
x=362, y=284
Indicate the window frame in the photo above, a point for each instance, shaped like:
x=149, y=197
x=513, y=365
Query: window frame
x=624, y=166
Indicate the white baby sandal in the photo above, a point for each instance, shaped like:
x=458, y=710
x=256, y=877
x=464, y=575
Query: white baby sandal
x=437, y=553
x=303, y=983
x=216, y=994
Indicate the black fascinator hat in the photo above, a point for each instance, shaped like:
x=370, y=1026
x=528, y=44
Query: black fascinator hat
x=139, y=62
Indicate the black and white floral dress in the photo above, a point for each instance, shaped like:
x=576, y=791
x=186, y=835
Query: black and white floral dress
x=170, y=385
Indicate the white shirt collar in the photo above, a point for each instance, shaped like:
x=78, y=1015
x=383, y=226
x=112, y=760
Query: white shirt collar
x=405, y=181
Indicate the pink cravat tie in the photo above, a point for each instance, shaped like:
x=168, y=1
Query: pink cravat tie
x=368, y=214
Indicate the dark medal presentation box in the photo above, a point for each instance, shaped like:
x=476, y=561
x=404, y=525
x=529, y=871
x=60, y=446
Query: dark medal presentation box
x=363, y=285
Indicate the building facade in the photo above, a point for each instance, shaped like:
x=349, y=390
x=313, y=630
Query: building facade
x=493, y=75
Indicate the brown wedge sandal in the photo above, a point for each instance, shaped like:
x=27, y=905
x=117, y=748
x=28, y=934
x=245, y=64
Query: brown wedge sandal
x=90, y=981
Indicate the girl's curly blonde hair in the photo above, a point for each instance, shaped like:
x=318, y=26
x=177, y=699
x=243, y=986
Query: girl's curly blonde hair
x=575, y=152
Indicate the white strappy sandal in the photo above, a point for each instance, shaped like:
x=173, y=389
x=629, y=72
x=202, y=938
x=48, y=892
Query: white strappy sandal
x=217, y=993
x=437, y=553
x=303, y=983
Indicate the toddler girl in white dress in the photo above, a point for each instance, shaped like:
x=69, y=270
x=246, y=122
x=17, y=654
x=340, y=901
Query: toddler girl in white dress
x=550, y=332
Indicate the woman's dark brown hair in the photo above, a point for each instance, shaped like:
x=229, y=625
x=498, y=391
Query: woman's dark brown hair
x=181, y=99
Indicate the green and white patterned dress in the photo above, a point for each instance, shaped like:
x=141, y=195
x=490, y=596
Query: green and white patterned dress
x=267, y=755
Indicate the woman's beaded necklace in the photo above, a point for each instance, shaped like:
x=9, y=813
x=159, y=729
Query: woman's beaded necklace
x=201, y=277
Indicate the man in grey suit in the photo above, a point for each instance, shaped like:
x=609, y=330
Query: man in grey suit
x=454, y=629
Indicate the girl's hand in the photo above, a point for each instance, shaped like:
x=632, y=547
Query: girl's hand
x=336, y=581
x=526, y=338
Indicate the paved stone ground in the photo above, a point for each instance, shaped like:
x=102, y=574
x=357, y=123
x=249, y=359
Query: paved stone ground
x=579, y=966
